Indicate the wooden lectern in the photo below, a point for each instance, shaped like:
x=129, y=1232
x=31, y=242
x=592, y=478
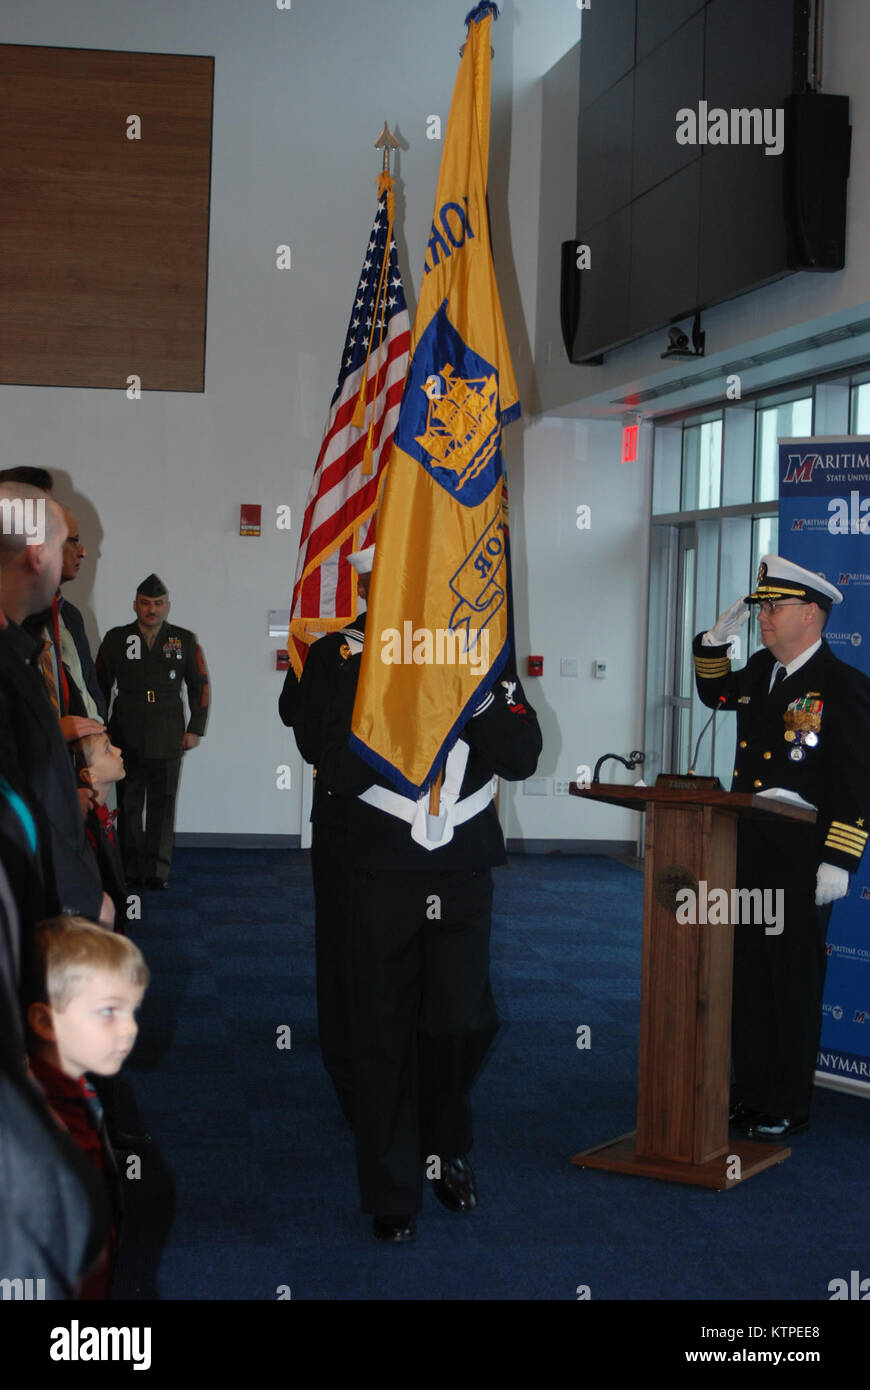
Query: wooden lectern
x=685, y=1003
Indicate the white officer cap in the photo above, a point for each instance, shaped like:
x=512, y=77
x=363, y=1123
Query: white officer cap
x=779, y=578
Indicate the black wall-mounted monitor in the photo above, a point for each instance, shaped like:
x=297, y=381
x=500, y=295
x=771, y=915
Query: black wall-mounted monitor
x=694, y=161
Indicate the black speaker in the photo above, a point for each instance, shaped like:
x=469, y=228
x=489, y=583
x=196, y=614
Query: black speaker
x=569, y=299
x=569, y=302
x=816, y=169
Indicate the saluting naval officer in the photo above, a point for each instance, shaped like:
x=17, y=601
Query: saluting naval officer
x=803, y=724
x=148, y=661
x=422, y=1015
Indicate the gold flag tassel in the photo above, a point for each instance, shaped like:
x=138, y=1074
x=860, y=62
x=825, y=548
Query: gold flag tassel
x=435, y=806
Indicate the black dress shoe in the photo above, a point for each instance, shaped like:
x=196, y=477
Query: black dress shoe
x=128, y=1138
x=156, y=883
x=396, y=1228
x=772, y=1129
x=742, y=1117
x=456, y=1189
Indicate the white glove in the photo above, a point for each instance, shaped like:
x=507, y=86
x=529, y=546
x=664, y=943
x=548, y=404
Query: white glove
x=727, y=625
x=831, y=884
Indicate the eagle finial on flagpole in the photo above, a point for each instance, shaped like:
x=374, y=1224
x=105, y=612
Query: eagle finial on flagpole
x=387, y=142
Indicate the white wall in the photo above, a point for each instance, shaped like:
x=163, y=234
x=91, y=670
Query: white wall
x=300, y=96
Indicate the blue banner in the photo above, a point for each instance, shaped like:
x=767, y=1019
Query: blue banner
x=824, y=525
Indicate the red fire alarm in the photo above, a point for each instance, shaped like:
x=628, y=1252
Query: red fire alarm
x=629, y=444
x=536, y=666
x=282, y=661
x=249, y=519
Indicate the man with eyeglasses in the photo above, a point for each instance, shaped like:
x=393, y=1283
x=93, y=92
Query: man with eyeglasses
x=803, y=726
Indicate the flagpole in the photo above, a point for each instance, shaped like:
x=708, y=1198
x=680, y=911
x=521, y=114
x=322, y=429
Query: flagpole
x=357, y=436
x=387, y=142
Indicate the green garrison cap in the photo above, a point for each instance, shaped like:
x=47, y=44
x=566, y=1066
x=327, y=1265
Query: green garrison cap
x=152, y=587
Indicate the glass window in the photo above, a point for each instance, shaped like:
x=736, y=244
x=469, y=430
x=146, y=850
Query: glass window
x=791, y=420
x=736, y=575
x=685, y=667
x=861, y=408
x=667, y=462
x=738, y=455
x=702, y=465
x=765, y=537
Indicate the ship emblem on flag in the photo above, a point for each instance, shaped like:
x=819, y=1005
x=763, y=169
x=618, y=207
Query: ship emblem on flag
x=450, y=419
x=463, y=429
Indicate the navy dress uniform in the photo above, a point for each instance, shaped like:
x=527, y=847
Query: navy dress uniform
x=422, y=1009
x=804, y=727
x=147, y=723
x=302, y=706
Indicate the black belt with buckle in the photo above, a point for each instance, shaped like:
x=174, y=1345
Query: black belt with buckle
x=151, y=696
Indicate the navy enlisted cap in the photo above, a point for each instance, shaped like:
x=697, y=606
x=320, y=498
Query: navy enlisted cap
x=152, y=587
x=363, y=560
x=779, y=579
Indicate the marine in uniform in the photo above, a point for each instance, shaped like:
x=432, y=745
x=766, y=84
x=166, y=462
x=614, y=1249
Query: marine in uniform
x=148, y=661
x=422, y=1015
x=803, y=725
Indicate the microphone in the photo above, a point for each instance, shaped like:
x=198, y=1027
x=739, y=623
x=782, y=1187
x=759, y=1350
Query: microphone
x=722, y=700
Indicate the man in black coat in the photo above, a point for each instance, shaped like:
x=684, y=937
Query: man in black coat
x=74, y=678
x=803, y=725
x=419, y=910
x=33, y=755
x=75, y=649
x=302, y=706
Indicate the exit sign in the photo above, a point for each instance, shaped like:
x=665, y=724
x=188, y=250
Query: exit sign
x=629, y=444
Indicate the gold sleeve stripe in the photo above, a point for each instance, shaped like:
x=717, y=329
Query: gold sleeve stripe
x=852, y=830
x=833, y=843
x=709, y=667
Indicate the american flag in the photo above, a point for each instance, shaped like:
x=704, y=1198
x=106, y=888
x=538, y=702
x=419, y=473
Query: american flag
x=339, y=513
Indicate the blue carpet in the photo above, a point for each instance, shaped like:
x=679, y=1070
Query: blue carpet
x=250, y=1182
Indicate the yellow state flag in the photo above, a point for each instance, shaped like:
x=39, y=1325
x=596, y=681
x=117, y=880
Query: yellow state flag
x=436, y=633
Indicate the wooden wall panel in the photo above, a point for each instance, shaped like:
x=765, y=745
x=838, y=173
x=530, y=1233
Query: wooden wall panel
x=103, y=239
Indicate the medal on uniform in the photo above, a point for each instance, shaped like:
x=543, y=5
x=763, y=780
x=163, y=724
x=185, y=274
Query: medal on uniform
x=803, y=720
x=172, y=675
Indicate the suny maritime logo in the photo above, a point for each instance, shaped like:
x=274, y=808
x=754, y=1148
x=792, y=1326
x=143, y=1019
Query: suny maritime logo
x=453, y=425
